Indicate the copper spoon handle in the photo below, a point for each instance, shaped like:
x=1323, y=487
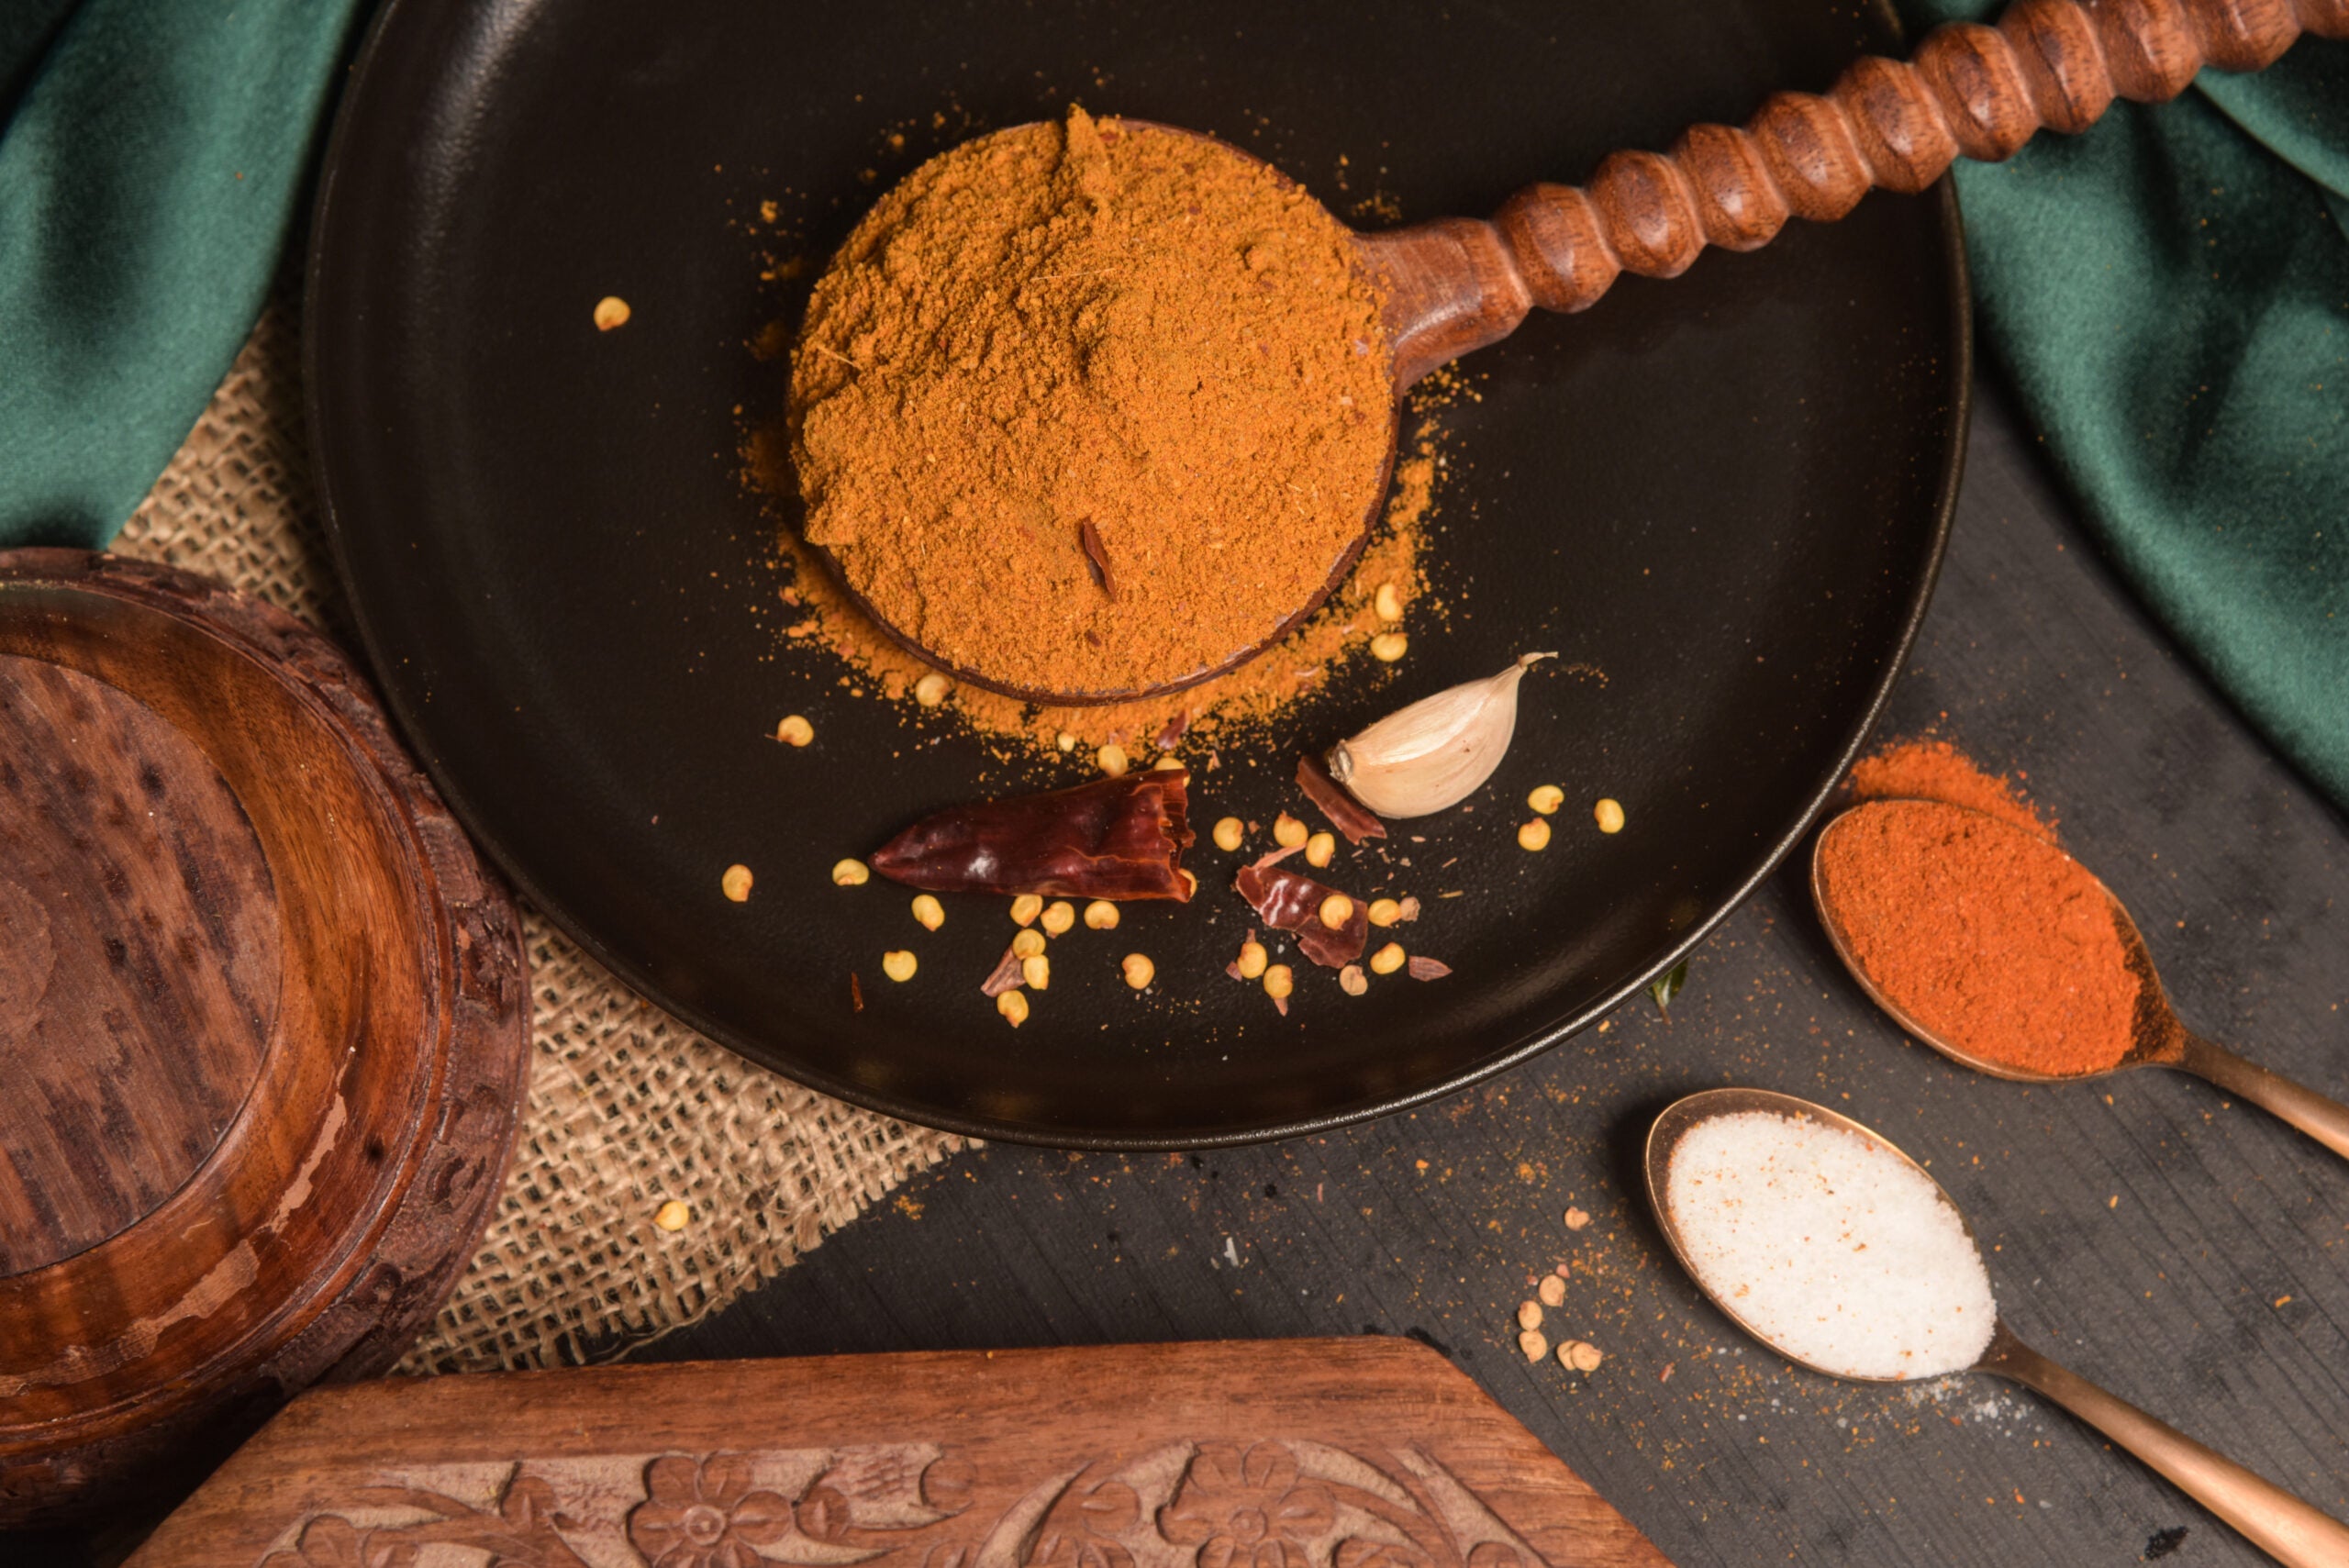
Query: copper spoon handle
x=1969, y=90
x=2325, y=1120
x=2289, y=1531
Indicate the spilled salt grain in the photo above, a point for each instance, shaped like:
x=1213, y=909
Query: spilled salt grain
x=1829, y=1246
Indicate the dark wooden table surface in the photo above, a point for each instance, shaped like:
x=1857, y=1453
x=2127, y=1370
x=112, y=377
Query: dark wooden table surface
x=2191, y=1254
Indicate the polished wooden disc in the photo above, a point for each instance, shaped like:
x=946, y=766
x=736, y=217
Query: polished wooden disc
x=263, y=1020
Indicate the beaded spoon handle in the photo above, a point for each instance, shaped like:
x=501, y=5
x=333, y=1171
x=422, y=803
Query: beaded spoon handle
x=1970, y=90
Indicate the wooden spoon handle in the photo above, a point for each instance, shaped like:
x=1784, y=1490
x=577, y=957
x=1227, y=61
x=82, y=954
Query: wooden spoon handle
x=1976, y=91
x=2325, y=1120
x=2293, y=1532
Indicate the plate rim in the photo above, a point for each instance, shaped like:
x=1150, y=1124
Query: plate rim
x=1959, y=393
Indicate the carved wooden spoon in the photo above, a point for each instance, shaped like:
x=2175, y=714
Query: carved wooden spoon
x=2158, y=1037
x=2293, y=1532
x=1458, y=284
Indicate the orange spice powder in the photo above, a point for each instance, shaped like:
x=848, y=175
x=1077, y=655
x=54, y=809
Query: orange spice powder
x=1936, y=770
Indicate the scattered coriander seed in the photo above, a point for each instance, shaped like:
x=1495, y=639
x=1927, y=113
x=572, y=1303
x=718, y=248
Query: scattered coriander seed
x=736, y=882
x=1111, y=760
x=611, y=311
x=932, y=689
x=1533, y=1344
x=1252, y=960
x=1609, y=815
x=795, y=731
x=1388, y=602
x=1229, y=833
x=1385, y=911
x=851, y=873
x=1138, y=970
x=1387, y=960
x=1279, y=981
x=1319, y=849
x=929, y=911
x=1546, y=798
x=1552, y=1292
x=1025, y=908
x=1534, y=835
x=1581, y=1355
x=1013, y=1006
x=1389, y=646
x=673, y=1215
x=1101, y=914
x=1576, y=1218
x=1036, y=973
x=1027, y=944
x=1529, y=1315
x=898, y=964
x=1336, y=910
x=1065, y=741
x=1167, y=760
x=1289, y=832
x=1352, y=981
x=1057, y=918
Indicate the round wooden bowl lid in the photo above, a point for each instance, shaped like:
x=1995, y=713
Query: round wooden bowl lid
x=264, y=1026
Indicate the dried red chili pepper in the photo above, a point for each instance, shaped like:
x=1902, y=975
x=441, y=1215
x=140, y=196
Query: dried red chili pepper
x=1291, y=903
x=1346, y=814
x=1115, y=839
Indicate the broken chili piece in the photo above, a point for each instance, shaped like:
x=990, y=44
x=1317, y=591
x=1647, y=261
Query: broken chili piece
x=1346, y=814
x=1291, y=903
x=1115, y=839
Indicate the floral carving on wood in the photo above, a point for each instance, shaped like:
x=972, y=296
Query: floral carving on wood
x=1277, y=1503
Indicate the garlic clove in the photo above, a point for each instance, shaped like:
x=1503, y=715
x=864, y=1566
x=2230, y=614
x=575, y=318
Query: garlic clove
x=1435, y=753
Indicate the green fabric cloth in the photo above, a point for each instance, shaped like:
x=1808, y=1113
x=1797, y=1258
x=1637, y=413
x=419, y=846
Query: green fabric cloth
x=2169, y=292
x=151, y=168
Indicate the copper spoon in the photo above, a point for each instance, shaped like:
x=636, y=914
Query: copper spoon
x=1457, y=284
x=2291, y=1531
x=2157, y=1037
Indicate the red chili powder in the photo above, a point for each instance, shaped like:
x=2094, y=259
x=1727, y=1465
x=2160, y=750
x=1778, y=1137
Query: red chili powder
x=1983, y=932
x=1936, y=769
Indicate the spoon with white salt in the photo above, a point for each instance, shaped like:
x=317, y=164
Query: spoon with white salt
x=1830, y=1246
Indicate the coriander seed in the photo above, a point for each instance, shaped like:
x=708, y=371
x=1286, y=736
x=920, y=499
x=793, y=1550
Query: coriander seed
x=1252, y=959
x=851, y=873
x=1529, y=1315
x=1319, y=849
x=1025, y=908
x=1064, y=740
x=1533, y=1343
x=1138, y=970
x=1552, y=1290
x=1289, y=832
x=611, y=311
x=736, y=882
x=1279, y=981
x=1387, y=960
x=1388, y=602
x=1534, y=835
x=932, y=689
x=1385, y=911
x=1057, y=918
x=1389, y=646
x=1546, y=798
x=1101, y=914
x=1111, y=758
x=1229, y=833
x=1013, y=1006
x=673, y=1215
x=1336, y=910
x=1609, y=815
x=795, y=731
x=898, y=964
x=929, y=911
x=1352, y=981
x=1036, y=973
x=1581, y=1355
x=1027, y=944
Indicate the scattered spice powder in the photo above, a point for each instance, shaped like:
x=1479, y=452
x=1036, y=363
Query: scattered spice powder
x=1983, y=932
x=1101, y=332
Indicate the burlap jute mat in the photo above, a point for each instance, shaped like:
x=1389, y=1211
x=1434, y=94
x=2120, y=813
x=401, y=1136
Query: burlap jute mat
x=627, y=1109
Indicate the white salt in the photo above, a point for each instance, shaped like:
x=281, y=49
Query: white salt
x=1829, y=1246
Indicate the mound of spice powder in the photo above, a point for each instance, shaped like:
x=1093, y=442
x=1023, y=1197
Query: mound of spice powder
x=1091, y=406
x=1983, y=932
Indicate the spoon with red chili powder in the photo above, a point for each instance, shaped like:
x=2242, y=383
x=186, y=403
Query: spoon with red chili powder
x=2005, y=955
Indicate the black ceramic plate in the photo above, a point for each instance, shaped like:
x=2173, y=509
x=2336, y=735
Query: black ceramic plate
x=1728, y=492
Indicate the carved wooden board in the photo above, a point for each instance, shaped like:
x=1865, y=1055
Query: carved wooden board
x=1291, y=1453
x=262, y=1026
